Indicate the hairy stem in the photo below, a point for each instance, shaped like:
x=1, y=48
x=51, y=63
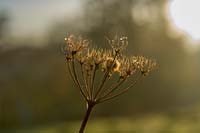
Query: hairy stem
x=122, y=92
x=77, y=80
x=92, y=81
x=84, y=79
x=86, y=117
x=112, y=89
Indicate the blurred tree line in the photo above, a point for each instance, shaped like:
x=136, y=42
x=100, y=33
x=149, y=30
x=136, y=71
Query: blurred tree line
x=35, y=86
x=3, y=24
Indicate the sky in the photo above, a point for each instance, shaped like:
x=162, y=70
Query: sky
x=33, y=17
x=185, y=15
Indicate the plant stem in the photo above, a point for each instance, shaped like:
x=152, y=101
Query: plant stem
x=85, y=120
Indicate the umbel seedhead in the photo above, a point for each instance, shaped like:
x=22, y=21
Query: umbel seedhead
x=80, y=55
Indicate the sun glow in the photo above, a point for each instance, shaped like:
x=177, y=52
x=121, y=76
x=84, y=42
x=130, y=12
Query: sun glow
x=185, y=15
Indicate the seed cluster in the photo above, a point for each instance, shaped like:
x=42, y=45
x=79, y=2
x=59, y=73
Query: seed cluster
x=80, y=56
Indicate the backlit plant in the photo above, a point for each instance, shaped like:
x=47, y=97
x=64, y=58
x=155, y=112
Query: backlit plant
x=84, y=62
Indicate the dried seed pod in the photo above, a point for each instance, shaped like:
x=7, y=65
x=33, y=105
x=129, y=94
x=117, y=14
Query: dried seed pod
x=144, y=64
x=75, y=45
x=118, y=44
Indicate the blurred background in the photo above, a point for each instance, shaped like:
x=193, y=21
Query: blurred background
x=37, y=94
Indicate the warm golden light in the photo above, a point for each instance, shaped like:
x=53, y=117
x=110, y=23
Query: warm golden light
x=185, y=15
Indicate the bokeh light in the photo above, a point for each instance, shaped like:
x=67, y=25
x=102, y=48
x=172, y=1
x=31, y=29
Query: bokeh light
x=185, y=15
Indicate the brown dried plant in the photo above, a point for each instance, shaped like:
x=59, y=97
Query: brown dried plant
x=88, y=61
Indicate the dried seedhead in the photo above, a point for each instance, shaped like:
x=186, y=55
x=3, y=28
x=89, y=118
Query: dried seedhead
x=118, y=44
x=108, y=62
x=74, y=46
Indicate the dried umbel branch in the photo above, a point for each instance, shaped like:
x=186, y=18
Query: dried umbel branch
x=88, y=61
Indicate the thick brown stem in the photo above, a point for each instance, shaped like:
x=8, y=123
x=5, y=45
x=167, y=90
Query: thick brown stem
x=85, y=120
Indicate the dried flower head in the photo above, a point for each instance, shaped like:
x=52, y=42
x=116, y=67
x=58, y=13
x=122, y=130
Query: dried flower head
x=97, y=56
x=128, y=68
x=74, y=46
x=144, y=65
x=91, y=60
x=118, y=44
